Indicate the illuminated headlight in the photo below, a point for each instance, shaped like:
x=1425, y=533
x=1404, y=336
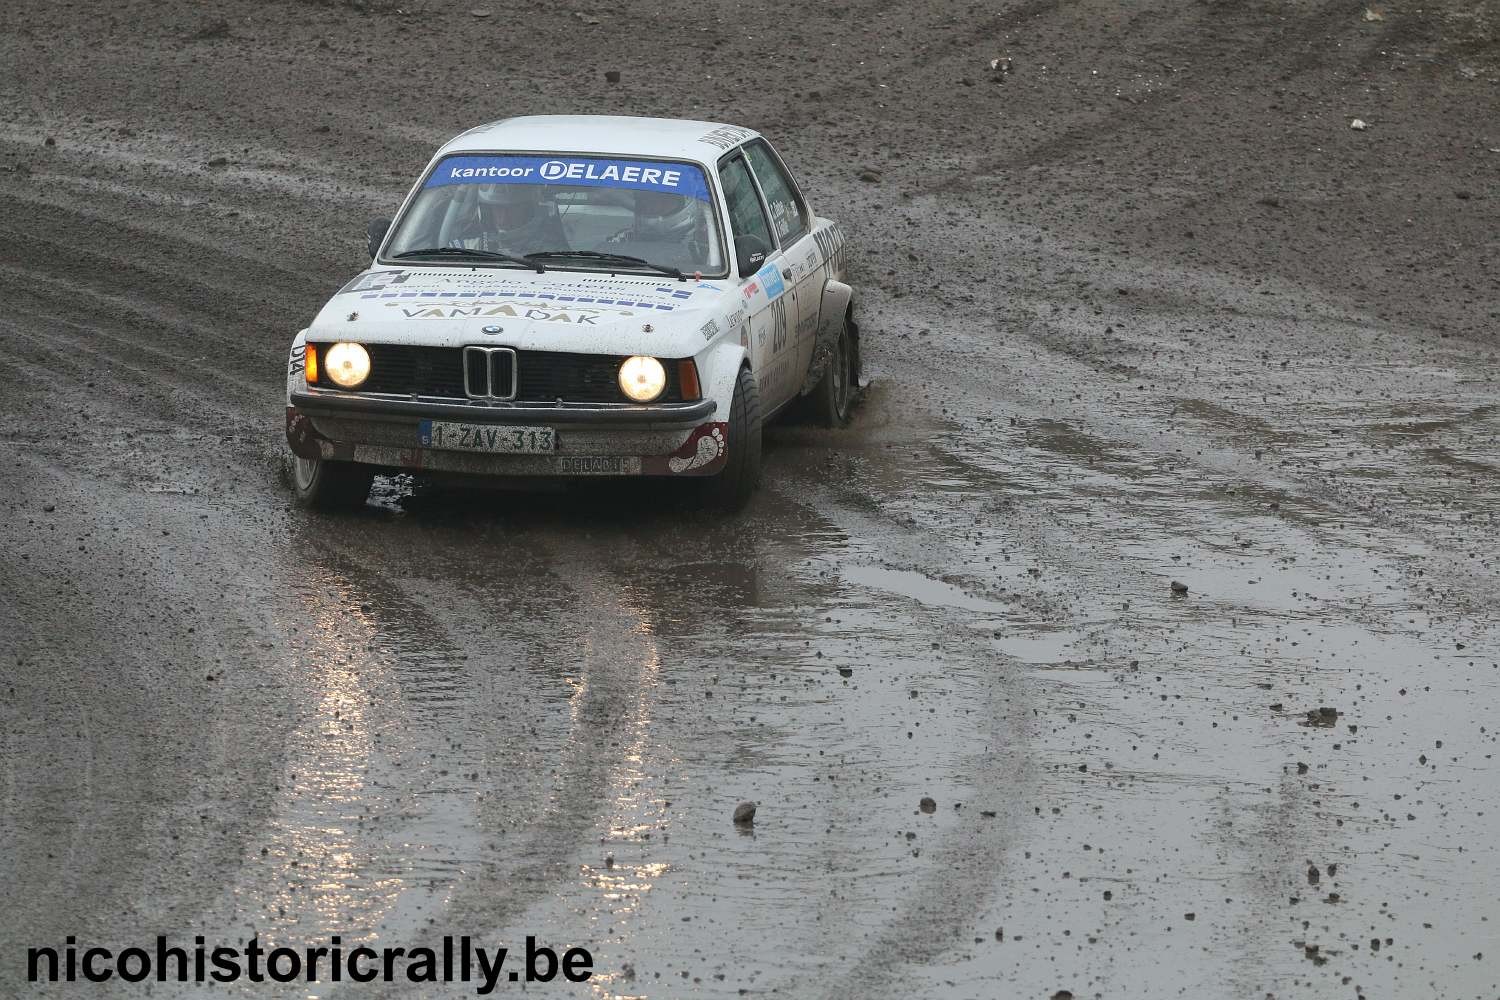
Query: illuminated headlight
x=642, y=379
x=347, y=364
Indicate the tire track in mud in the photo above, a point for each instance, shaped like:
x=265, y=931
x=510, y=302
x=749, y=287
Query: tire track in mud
x=825, y=895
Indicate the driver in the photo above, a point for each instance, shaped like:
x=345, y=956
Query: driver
x=663, y=218
x=513, y=218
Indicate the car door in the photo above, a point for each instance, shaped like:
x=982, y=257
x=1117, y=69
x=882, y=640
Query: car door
x=768, y=296
x=803, y=263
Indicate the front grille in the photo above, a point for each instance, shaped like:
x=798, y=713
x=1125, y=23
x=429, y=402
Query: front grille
x=541, y=376
x=546, y=376
x=423, y=371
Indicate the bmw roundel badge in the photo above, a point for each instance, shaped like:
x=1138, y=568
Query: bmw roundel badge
x=491, y=329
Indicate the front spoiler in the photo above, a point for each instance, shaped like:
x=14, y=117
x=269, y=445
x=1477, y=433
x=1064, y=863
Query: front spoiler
x=585, y=449
x=652, y=415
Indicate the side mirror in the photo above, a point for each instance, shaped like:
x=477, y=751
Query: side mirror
x=751, y=251
x=375, y=234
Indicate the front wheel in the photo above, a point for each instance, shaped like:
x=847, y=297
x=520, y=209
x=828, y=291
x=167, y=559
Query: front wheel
x=323, y=485
x=831, y=397
x=731, y=486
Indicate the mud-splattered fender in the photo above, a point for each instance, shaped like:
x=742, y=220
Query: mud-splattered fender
x=718, y=367
x=831, y=313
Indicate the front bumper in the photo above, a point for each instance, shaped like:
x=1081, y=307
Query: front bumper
x=669, y=439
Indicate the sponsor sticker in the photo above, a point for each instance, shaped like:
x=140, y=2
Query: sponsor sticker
x=597, y=465
x=536, y=312
x=576, y=171
x=725, y=136
x=770, y=279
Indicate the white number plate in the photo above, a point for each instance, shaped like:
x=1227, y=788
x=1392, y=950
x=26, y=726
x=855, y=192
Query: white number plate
x=496, y=438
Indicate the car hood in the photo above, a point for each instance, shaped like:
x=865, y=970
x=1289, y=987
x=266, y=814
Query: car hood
x=555, y=311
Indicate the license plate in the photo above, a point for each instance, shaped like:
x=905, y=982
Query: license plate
x=497, y=439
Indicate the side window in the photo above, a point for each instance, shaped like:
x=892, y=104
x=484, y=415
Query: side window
x=787, y=213
x=746, y=217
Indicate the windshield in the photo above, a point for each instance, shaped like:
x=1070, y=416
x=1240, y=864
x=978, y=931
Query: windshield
x=659, y=211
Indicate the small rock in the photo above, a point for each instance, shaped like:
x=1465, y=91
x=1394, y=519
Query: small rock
x=1301, y=767
x=480, y=12
x=1358, y=125
x=846, y=671
x=48, y=508
x=869, y=176
x=999, y=933
x=928, y=804
x=744, y=814
x=612, y=76
x=1178, y=587
x=1063, y=995
x=49, y=141
x=218, y=161
x=1324, y=716
x=1372, y=14
x=1312, y=875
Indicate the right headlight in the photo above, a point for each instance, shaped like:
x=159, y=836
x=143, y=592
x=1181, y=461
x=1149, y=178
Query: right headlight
x=642, y=379
x=347, y=364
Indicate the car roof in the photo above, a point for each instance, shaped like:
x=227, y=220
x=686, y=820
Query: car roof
x=617, y=135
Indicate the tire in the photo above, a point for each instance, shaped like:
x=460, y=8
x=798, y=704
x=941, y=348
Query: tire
x=830, y=399
x=728, y=489
x=322, y=485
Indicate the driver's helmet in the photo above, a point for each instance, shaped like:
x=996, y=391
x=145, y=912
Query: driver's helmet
x=505, y=207
x=662, y=216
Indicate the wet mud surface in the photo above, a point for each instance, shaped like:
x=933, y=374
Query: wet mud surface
x=1140, y=310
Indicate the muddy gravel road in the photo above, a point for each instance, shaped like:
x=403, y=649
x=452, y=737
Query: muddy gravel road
x=1139, y=306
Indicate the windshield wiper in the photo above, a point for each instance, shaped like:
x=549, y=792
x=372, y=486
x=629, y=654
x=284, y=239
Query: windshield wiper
x=469, y=252
x=616, y=258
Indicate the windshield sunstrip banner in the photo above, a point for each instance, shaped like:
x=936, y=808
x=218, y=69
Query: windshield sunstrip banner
x=583, y=171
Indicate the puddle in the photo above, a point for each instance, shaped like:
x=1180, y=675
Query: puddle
x=922, y=589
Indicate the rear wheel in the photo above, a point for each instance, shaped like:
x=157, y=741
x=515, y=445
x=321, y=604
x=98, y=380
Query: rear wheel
x=830, y=398
x=732, y=486
x=324, y=485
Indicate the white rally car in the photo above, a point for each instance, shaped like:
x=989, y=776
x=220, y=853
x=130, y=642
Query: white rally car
x=578, y=296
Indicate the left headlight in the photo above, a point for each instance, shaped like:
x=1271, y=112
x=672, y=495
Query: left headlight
x=642, y=379
x=348, y=365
